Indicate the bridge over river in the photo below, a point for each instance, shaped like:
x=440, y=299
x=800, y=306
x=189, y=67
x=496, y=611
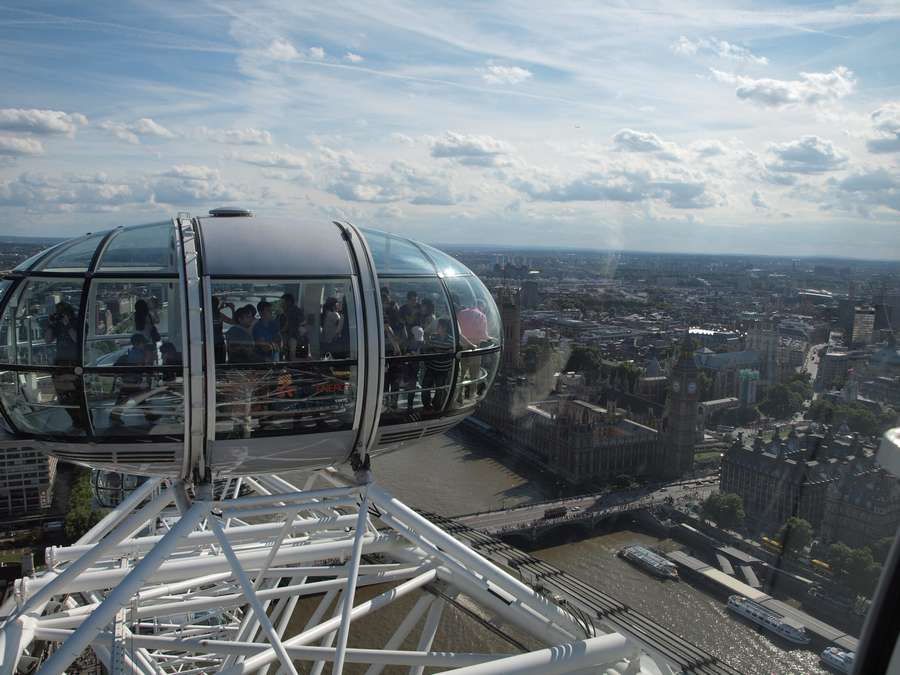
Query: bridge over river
x=584, y=510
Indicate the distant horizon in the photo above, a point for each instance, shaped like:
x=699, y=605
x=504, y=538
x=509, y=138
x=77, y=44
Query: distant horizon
x=50, y=240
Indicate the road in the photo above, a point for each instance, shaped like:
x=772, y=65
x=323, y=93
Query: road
x=495, y=521
x=811, y=364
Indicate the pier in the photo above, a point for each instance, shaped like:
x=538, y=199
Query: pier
x=725, y=584
x=591, y=604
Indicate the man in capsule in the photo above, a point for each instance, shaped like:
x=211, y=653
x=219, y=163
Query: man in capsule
x=293, y=327
x=241, y=345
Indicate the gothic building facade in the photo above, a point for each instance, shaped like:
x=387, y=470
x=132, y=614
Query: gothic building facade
x=779, y=479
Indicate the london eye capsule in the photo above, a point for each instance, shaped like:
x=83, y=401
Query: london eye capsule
x=232, y=345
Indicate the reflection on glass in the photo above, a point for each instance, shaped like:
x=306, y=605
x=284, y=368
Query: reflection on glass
x=413, y=310
x=284, y=400
x=148, y=248
x=133, y=323
x=43, y=402
x=111, y=488
x=277, y=321
x=446, y=265
x=40, y=324
x=73, y=257
x=415, y=389
x=394, y=255
x=136, y=403
x=476, y=313
x=476, y=373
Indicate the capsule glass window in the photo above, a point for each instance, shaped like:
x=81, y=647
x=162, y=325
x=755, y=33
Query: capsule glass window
x=133, y=323
x=413, y=307
x=41, y=323
x=147, y=248
x=44, y=402
x=477, y=317
x=395, y=255
x=282, y=321
x=75, y=256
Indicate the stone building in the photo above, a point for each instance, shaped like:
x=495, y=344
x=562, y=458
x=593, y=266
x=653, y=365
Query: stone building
x=861, y=509
x=675, y=452
x=26, y=478
x=585, y=442
x=783, y=478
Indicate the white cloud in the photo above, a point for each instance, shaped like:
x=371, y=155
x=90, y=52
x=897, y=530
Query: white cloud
x=188, y=184
x=281, y=50
x=680, y=189
x=13, y=146
x=811, y=89
x=248, y=136
x=471, y=150
x=886, y=123
x=863, y=192
x=629, y=140
x=38, y=193
x=132, y=133
x=353, y=58
x=354, y=180
x=273, y=160
x=809, y=154
x=705, y=149
x=496, y=74
x=316, y=53
x=720, y=48
x=40, y=122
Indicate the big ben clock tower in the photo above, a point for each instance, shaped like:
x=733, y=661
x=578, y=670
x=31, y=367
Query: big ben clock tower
x=676, y=443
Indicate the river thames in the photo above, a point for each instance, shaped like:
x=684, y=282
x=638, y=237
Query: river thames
x=457, y=473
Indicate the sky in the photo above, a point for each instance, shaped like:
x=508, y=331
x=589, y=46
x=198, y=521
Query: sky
x=763, y=127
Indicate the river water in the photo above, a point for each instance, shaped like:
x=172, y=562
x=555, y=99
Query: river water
x=457, y=473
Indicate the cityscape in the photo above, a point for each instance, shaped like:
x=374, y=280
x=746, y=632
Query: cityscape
x=451, y=337
x=725, y=411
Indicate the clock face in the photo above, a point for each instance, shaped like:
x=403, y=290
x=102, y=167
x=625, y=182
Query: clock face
x=692, y=387
x=676, y=387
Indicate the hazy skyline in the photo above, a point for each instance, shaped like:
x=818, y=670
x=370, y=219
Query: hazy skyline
x=762, y=128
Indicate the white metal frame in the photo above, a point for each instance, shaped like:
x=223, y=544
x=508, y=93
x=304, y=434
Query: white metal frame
x=170, y=584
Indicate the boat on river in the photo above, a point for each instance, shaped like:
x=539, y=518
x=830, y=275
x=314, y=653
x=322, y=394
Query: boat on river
x=651, y=561
x=782, y=626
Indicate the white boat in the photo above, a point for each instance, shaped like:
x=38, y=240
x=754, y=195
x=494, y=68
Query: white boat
x=783, y=626
x=839, y=659
x=650, y=561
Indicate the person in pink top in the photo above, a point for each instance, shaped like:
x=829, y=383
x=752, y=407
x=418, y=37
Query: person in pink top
x=473, y=325
x=473, y=331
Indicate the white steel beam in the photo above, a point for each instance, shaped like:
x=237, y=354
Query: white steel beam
x=429, y=630
x=350, y=589
x=326, y=627
x=567, y=658
x=120, y=595
x=383, y=657
x=250, y=593
x=403, y=630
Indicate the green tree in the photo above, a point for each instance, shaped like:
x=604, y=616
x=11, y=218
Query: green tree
x=82, y=514
x=838, y=556
x=585, y=359
x=781, y=402
x=854, y=567
x=796, y=534
x=725, y=508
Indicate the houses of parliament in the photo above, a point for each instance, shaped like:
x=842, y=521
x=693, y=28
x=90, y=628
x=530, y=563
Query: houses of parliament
x=576, y=438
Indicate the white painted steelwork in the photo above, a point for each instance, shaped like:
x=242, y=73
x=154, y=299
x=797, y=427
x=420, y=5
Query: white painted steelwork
x=216, y=591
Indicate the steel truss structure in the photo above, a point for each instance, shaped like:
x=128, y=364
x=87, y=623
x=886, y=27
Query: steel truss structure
x=176, y=581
